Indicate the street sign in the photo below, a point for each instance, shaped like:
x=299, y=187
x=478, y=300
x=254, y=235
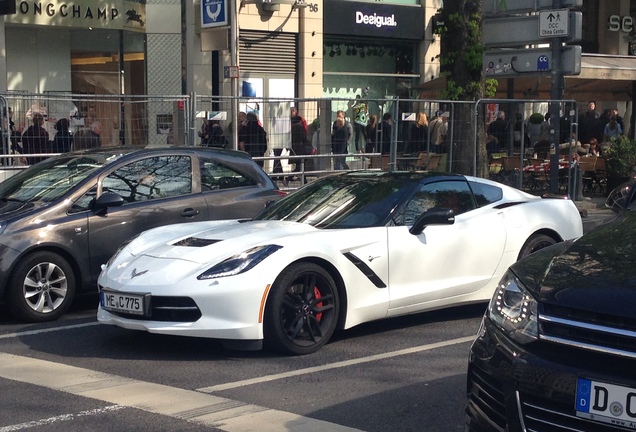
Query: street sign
x=554, y=23
x=517, y=31
x=214, y=13
x=498, y=7
x=511, y=63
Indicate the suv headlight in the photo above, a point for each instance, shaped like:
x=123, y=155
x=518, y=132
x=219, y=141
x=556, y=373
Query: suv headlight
x=239, y=263
x=514, y=310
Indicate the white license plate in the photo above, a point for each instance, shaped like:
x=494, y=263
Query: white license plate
x=127, y=303
x=606, y=403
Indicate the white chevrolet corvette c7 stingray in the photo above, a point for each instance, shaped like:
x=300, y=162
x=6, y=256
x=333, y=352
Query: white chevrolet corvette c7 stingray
x=343, y=250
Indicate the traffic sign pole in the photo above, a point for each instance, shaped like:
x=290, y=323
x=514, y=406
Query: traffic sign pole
x=556, y=94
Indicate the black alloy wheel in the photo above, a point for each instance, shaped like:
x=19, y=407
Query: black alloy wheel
x=535, y=243
x=302, y=310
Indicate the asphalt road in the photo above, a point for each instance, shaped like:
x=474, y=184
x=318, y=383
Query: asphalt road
x=402, y=374
x=405, y=374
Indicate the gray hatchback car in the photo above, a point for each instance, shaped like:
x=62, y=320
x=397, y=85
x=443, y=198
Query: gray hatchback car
x=64, y=217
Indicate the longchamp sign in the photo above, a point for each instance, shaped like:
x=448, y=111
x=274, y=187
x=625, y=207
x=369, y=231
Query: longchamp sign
x=114, y=14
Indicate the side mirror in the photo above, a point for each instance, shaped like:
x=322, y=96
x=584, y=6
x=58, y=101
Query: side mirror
x=621, y=197
x=434, y=216
x=108, y=199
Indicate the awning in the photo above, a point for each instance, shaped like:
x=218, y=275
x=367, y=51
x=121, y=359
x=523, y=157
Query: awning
x=603, y=78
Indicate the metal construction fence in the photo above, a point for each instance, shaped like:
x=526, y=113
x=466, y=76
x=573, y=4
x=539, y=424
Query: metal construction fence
x=398, y=141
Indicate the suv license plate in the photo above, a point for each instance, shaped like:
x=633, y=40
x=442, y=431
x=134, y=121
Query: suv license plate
x=126, y=303
x=606, y=403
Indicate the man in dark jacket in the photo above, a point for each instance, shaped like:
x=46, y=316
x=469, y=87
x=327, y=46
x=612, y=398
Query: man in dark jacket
x=253, y=138
x=35, y=139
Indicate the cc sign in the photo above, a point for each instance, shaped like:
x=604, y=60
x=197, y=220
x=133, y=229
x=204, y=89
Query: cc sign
x=618, y=23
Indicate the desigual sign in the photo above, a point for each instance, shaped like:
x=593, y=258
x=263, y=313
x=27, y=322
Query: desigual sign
x=115, y=15
x=374, y=19
x=620, y=23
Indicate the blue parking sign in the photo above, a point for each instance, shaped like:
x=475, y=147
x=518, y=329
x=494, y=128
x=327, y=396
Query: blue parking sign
x=213, y=13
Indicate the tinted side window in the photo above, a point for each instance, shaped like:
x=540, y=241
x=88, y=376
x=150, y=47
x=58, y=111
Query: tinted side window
x=215, y=176
x=455, y=195
x=486, y=194
x=151, y=178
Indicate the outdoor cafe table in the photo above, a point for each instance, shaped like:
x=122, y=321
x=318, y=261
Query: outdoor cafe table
x=538, y=173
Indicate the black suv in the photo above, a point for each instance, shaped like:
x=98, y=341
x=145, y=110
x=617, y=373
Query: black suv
x=556, y=350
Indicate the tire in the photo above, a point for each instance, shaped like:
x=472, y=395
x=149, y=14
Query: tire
x=302, y=310
x=41, y=287
x=535, y=243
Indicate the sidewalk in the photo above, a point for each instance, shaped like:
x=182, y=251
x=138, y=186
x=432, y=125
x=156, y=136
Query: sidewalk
x=593, y=211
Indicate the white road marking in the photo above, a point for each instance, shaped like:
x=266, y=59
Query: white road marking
x=59, y=418
x=192, y=406
x=47, y=330
x=336, y=365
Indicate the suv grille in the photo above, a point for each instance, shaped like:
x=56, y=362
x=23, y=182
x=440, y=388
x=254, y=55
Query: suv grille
x=586, y=330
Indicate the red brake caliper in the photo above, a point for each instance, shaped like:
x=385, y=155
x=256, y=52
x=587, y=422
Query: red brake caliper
x=318, y=304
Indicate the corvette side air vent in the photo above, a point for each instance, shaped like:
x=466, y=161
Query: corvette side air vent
x=195, y=242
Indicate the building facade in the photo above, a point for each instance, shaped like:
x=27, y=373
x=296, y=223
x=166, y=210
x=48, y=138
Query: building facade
x=303, y=49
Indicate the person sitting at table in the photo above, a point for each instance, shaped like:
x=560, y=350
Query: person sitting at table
x=577, y=148
x=542, y=149
x=594, y=149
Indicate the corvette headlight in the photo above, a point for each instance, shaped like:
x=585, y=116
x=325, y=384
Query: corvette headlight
x=239, y=263
x=514, y=310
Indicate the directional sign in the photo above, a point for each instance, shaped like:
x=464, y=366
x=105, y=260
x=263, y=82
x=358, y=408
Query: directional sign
x=554, y=23
x=517, y=31
x=498, y=7
x=509, y=63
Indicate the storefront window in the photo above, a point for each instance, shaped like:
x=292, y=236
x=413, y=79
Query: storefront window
x=381, y=70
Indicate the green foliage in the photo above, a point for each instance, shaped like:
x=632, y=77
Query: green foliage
x=490, y=87
x=536, y=118
x=620, y=157
x=469, y=56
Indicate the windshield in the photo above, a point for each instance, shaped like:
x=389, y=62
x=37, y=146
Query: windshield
x=342, y=202
x=52, y=178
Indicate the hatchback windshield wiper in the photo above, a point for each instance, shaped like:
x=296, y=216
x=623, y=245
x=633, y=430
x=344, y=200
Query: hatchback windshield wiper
x=7, y=199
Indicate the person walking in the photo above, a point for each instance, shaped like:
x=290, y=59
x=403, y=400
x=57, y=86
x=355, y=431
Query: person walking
x=300, y=146
x=212, y=135
x=253, y=138
x=36, y=139
x=372, y=134
x=588, y=123
x=63, y=140
x=339, y=141
x=386, y=130
x=419, y=134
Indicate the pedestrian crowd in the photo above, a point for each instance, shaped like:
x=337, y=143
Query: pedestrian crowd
x=595, y=132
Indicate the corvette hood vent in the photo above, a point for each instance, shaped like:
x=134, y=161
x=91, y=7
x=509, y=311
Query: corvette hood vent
x=196, y=242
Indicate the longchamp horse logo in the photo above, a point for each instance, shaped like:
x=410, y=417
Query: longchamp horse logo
x=133, y=15
x=217, y=11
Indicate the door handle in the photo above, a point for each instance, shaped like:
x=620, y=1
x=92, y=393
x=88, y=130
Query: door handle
x=189, y=212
